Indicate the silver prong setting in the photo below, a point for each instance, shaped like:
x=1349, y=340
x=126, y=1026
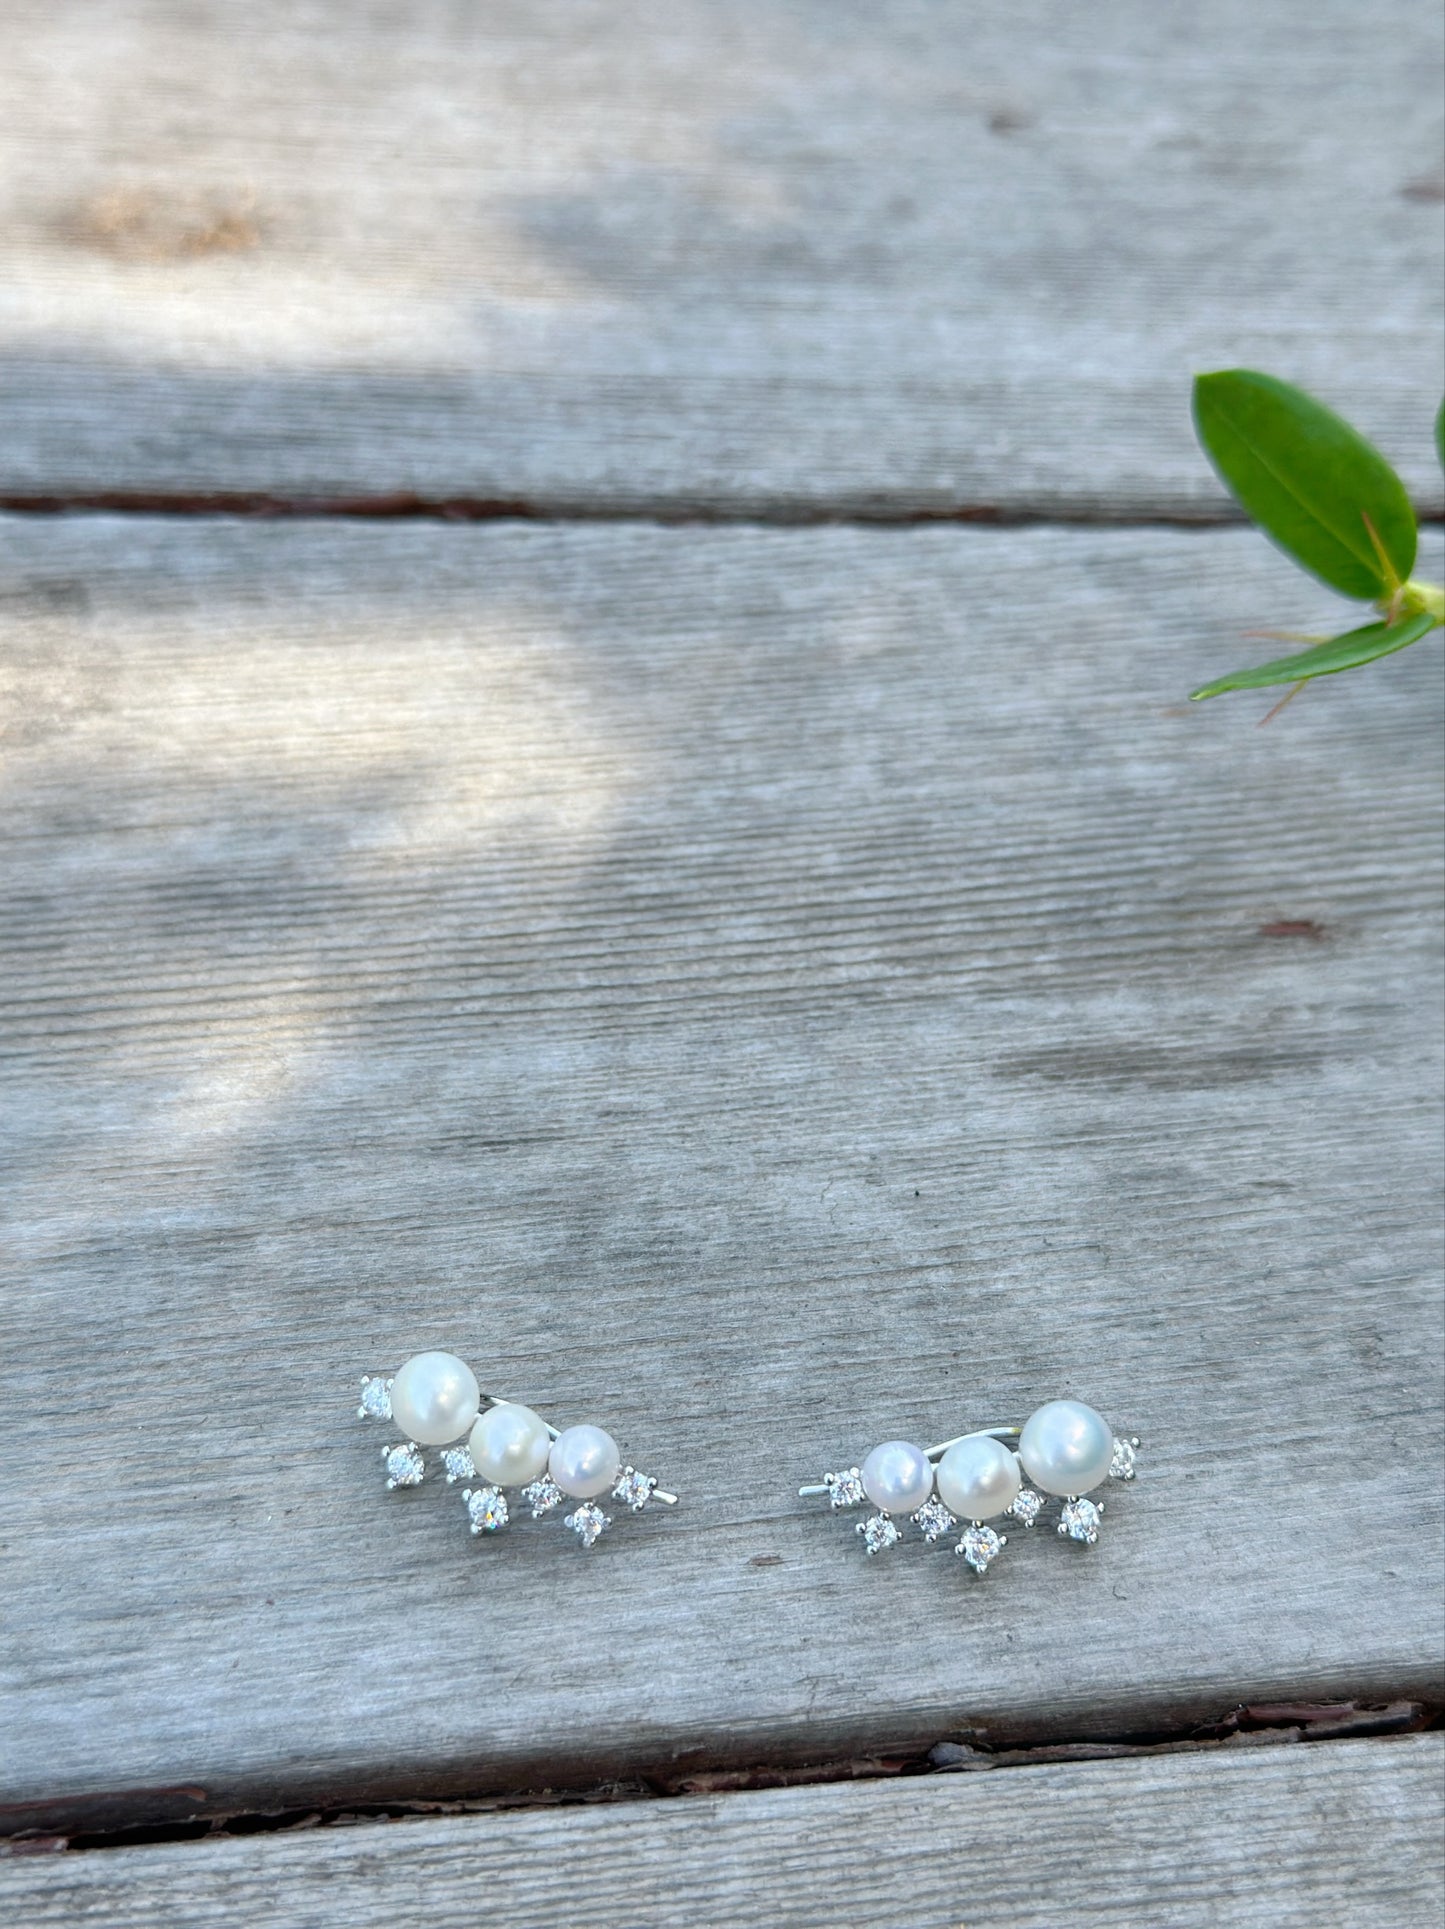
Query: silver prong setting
x=1079, y=1520
x=588, y=1523
x=375, y=1397
x=487, y=1510
x=980, y=1546
x=633, y=1489
x=1026, y=1506
x=405, y=1465
x=457, y=1464
x=1122, y=1466
x=879, y=1532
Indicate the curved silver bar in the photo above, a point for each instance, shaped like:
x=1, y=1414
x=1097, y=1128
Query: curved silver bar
x=1003, y=1434
x=497, y=1400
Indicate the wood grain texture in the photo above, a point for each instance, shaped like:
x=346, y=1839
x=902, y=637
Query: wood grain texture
x=766, y=992
x=1344, y=1833
x=757, y=258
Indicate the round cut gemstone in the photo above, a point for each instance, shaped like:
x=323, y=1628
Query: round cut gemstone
x=404, y=1465
x=542, y=1496
x=587, y=1523
x=486, y=1509
x=933, y=1518
x=878, y=1532
x=844, y=1489
x=375, y=1398
x=979, y=1546
x=1079, y=1521
x=1027, y=1507
x=633, y=1489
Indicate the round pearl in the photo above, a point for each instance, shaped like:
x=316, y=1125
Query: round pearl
x=434, y=1398
x=897, y=1477
x=978, y=1478
x=1066, y=1447
x=509, y=1446
x=584, y=1462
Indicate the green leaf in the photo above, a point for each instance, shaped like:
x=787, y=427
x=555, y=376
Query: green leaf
x=1325, y=659
x=1308, y=479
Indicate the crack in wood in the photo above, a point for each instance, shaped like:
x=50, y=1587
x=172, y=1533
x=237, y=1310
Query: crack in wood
x=403, y=506
x=1252, y=1725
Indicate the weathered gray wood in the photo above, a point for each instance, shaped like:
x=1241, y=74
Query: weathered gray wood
x=763, y=991
x=1343, y=1833
x=746, y=257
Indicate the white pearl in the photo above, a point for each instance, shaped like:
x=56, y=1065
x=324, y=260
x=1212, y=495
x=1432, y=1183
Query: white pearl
x=434, y=1398
x=584, y=1462
x=897, y=1477
x=509, y=1445
x=978, y=1478
x=1066, y=1447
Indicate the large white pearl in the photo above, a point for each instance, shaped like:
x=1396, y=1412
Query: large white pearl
x=510, y=1445
x=1066, y=1447
x=897, y=1477
x=978, y=1478
x=434, y=1398
x=584, y=1462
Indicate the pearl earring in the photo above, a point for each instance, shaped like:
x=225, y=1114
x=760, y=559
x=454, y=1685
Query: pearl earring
x=435, y=1400
x=1065, y=1449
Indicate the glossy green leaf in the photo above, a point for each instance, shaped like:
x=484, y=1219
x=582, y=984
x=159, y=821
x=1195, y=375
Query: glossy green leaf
x=1325, y=659
x=1313, y=484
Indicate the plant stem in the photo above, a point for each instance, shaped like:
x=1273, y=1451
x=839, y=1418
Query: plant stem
x=1420, y=599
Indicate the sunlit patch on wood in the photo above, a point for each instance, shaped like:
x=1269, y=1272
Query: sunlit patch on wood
x=152, y=224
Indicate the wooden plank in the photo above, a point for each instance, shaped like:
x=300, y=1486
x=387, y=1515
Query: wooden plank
x=1345, y=1832
x=758, y=258
x=763, y=991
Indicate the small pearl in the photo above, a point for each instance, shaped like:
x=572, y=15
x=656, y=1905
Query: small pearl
x=978, y=1478
x=1066, y=1447
x=510, y=1445
x=434, y=1398
x=897, y=1477
x=584, y=1462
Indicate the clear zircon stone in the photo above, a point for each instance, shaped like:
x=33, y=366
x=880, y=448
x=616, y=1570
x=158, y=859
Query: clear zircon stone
x=1121, y=1467
x=486, y=1509
x=878, y=1532
x=1079, y=1521
x=633, y=1489
x=979, y=1546
x=933, y=1518
x=542, y=1496
x=375, y=1398
x=587, y=1523
x=457, y=1461
x=404, y=1465
x=845, y=1489
x=1026, y=1506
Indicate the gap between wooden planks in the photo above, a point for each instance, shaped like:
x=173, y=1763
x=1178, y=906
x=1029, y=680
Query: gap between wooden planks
x=1292, y=1838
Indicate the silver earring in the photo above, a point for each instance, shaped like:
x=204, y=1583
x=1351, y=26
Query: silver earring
x=435, y=1401
x=1065, y=1449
